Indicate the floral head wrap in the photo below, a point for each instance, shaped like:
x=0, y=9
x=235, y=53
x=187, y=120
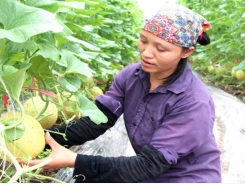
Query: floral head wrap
x=177, y=24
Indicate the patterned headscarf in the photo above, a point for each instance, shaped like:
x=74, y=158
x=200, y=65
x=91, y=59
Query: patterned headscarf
x=177, y=24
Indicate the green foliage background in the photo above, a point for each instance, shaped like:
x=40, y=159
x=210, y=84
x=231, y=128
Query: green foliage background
x=226, y=51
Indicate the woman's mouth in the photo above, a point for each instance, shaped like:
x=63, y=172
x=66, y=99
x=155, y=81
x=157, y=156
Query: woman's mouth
x=146, y=63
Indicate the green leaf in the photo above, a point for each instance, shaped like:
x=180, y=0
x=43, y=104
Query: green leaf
x=74, y=65
x=2, y=128
x=15, y=132
x=49, y=5
x=71, y=84
x=86, y=44
x=78, y=51
x=40, y=68
x=66, y=31
x=6, y=70
x=47, y=50
x=74, y=5
x=12, y=80
x=88, y=55
x=240, y=66
x=44, y=153
x=88, y=108
x=22, y=22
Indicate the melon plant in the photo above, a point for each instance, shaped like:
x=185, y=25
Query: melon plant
x=59, y=46
x=21, y=136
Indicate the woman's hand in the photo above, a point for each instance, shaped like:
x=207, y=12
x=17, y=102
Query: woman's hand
x=60, y=157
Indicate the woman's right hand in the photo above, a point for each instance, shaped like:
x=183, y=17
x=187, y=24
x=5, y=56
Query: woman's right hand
x=60, y=156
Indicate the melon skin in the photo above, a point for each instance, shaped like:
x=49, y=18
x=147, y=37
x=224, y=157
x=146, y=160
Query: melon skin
x=31, y=144
x=95, y=91
x=240, y=75
x=31, y=109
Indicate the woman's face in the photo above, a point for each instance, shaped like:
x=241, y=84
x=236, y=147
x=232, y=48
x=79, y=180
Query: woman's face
x=159, y=57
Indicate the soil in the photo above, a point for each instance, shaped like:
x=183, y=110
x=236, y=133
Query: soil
x=45, y=172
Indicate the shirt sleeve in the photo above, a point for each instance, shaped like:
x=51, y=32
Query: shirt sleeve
x=146, y=165
x=113, y=99
x=184, y=130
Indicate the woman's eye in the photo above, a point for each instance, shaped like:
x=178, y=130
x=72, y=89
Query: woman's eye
x=160, y=50
x=143, y=41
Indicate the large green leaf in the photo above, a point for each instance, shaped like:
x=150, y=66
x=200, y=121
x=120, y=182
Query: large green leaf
x=71, y=84
x=240, y=66
x=86, y=44
x=13, y=50
x=75, y=5
x=40, y=68
x=47, y=50
x=49, y=5
x=74, y=65
x=88, y=108
x=12, y=80
x=22, y=22
x=78, y=51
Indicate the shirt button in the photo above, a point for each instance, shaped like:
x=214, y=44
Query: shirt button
x=134, y=124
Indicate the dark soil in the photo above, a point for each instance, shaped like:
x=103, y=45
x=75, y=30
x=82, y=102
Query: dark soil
x=45, y=172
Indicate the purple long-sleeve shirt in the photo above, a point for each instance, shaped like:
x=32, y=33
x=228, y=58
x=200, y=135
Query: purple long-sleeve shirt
x=176, y=119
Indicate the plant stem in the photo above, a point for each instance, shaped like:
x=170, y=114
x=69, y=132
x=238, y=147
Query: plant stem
x=60, y=102
x=45, y=100
x=63, y=134
x=20, y=170
x=42, y=111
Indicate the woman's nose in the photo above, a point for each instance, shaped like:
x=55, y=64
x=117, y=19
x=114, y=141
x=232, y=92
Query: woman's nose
x=148, y=51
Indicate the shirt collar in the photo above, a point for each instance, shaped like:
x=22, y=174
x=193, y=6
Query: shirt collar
x=178, y=86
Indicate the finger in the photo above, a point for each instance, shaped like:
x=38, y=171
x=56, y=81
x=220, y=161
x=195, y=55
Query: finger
x=39, y=163
x=30, y=163
x=50, y=141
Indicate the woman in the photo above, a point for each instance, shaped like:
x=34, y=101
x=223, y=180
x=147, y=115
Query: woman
x=168, y=113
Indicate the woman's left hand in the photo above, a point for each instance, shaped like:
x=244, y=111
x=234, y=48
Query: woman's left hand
x=60, y=157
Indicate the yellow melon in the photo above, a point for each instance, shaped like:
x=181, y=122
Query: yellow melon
x=35, y=104
x=31, y=144
x=240, y=75
x=95, y=91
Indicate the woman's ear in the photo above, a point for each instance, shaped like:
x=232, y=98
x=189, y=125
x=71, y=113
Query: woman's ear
x=187, y=52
